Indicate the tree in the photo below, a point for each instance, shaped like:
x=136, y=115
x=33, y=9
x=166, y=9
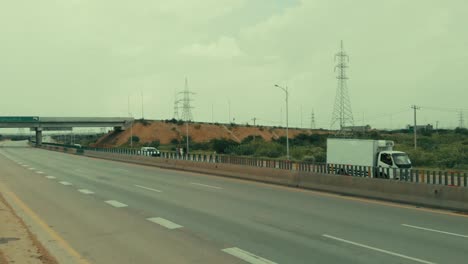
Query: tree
x=135, y=139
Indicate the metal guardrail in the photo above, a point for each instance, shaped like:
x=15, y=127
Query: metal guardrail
x=452, y=178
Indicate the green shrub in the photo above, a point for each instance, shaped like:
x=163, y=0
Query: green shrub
x=270, y=149
x=154, y=144
x=221, y=145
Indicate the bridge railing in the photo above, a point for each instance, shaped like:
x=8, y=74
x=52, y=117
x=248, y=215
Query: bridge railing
x=437, y=177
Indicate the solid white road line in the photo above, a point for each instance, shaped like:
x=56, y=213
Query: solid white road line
x=204, y=185
x=65, y=183
x=147, y=188
x=378, y=249
x=434, y=230
x=166, y=223
x=85, y=191
x=246, y=256
x=50, y=177
x=116, y=203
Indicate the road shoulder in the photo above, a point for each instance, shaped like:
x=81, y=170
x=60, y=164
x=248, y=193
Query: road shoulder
x=17, y=243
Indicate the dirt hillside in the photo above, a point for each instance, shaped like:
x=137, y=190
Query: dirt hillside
x=149, y=131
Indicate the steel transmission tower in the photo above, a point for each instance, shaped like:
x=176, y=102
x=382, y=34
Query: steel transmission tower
x=342, y=113
x=312, y=120
x=186, y=106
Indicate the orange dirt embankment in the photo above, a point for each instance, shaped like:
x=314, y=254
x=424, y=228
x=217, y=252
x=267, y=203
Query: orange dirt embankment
x=198, y=132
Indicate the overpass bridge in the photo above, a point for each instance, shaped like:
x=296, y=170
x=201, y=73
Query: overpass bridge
x=39, y=124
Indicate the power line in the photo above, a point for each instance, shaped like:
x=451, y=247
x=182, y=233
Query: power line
x=461, y=120
x=342, y=113
x=445, y=109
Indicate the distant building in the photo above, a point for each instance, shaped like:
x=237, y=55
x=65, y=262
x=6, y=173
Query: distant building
x=427, y=127
x=365, y=128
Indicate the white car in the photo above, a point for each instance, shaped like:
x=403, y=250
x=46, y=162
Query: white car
x=150, y=151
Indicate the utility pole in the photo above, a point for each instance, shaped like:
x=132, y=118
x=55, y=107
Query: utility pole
x=254, y=119
x=131, y=124
x=229, y=106
x=312, y=120
x=301, y=116
x=461, y=120
x=212, y=114
x=142, y=109
x=285, y=89
x=415, y=129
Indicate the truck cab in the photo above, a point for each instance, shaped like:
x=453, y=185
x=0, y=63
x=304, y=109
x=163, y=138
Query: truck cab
x=395, y=161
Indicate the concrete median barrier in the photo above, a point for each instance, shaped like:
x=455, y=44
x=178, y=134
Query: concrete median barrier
x=431, y=195
x=437, y=196
x=228, y=170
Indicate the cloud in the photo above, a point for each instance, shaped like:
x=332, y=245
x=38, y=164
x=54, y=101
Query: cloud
x=222, y=48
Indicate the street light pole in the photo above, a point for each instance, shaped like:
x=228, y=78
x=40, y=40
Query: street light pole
x=187, y=136
x=131, y=124
x=285, y=89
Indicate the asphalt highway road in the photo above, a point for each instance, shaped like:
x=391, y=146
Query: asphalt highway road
x=113, y=212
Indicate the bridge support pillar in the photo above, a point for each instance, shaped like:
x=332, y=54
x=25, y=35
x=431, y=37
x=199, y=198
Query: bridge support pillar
x=38, y=136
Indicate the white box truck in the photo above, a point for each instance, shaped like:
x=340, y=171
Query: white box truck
x=376, y=155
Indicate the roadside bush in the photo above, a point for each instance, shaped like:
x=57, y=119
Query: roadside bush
x=221, y=145
x=200, y=146
x=252, y=138
x=154, y=144
x=241, y=150
x=460, y=130
x=270, y=149
x=144, y=122
x=134, y=139
x=172, y=121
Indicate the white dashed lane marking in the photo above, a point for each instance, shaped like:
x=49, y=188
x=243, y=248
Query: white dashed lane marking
x=85, y=191
x=65, y=183
x=116, y=203
x=204, y=185
x=50, y=177
x=246, y=256
x=377, y=249
x=147, y=188
x=39, y=172
x=164, y=222
x=435, y=230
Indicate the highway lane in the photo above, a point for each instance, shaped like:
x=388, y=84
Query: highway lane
x=280, y=224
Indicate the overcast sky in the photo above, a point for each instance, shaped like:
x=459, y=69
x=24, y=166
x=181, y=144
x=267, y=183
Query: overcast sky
x=85, y=57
